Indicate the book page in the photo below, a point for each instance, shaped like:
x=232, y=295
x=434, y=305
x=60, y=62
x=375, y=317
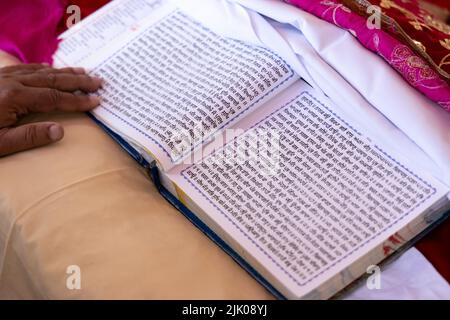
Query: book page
x=307, y=204
x=175, y=74
x=110, y=23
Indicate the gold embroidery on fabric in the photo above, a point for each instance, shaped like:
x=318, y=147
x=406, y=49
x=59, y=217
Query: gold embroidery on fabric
x=334, y=6
x=414, y=20
x=438, y=25
x=420, y=45
x=446, y=44
x=428, y=21
x=388, y=23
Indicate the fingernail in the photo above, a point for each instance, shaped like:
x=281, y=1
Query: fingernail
x=95, y=101
x=98, y=81
x=55, y=132
x=79, y=70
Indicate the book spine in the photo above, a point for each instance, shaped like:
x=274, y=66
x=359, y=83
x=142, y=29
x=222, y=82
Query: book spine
x=154, y=173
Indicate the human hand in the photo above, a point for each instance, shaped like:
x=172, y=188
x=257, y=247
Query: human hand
x=34, y=88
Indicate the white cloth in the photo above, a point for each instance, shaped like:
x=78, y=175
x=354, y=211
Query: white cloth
x=409, y=277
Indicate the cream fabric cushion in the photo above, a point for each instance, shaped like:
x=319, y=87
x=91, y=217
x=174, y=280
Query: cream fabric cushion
x=85, y=202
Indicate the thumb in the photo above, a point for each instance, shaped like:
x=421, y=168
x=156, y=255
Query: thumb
x=29, y=136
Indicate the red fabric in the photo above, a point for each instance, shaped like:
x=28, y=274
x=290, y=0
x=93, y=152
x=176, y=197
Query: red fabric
x=87, y=7
x=436, y=248
x=428, y=32
x=441, y=3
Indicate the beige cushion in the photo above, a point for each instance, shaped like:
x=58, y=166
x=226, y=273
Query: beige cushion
x=85, y=202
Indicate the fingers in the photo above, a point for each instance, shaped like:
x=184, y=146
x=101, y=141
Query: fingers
x=29, y=136
x=43, y=76
x=24, y=69
x=32, y=67
x=48, y=69
x=62, y=80
x=48, y=100
x=66, y=70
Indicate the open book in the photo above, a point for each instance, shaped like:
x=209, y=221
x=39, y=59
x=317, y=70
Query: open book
x=263, y=163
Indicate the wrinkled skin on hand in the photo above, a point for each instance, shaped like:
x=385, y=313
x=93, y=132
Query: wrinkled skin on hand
x=32, y=88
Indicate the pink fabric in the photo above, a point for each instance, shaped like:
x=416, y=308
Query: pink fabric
x=28, y=28
x=411, y=66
